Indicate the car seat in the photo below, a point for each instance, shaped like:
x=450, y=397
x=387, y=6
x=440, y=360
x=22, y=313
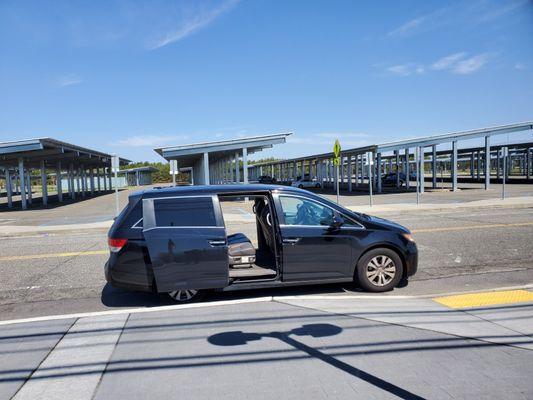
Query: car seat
x=241, y=251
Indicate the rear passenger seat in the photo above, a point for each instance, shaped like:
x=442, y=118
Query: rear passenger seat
x=241, y=251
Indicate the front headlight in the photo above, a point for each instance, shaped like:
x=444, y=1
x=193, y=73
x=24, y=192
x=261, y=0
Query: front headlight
x=408, y=236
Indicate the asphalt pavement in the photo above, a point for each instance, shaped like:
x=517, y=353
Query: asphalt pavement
x=460, y=250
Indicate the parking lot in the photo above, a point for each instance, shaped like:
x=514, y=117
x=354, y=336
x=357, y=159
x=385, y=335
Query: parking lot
x=52, y=260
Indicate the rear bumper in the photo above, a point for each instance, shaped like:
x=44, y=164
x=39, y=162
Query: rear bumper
x=129, y=281
x=411, y=259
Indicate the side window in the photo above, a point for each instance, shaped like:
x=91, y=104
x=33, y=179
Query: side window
x=299, y=211
x=184, y=211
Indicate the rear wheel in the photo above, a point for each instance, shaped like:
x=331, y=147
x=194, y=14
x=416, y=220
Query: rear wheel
x=379, y=270
x=300, y=186
x=186, y=295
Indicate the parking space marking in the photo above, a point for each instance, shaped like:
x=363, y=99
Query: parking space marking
x=465, y=228
x=485, y=299
x=55, y=255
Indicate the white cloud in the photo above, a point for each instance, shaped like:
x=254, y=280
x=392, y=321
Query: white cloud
x=448, y=61
x=405, y=69
x=195, y=23
x=147, y=140
x=69, y=80
x=470, y=65
x=408, y=28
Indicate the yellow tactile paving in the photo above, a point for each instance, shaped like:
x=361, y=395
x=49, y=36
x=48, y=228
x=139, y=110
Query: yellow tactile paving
x=485, y=299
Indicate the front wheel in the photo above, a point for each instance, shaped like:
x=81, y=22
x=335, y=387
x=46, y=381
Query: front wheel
x=379, y=270
x=300, y=186
x=186, y=295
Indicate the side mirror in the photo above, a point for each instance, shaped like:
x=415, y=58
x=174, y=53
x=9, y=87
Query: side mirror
x=337, y=222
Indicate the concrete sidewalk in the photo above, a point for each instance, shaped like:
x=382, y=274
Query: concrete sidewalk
x=285, y=347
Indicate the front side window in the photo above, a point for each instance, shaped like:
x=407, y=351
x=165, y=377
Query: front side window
x=185, y=211
x=298, y=211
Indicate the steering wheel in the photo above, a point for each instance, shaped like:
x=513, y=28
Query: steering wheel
x=305, y=215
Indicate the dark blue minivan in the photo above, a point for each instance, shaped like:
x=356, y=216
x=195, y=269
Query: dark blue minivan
x=186, y=240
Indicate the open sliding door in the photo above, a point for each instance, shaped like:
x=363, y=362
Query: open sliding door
x=187, y=242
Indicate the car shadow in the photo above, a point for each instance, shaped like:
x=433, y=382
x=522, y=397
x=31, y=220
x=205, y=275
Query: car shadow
x=115, y=297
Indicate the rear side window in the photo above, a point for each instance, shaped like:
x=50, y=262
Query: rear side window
x=185, y=211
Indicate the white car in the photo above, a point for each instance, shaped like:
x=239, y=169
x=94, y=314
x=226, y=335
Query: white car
x=306, y=183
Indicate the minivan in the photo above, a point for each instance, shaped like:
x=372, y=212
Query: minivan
x=186, y=240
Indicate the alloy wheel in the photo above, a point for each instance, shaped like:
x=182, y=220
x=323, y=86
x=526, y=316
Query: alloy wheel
x=380, y=270
x=183, y=294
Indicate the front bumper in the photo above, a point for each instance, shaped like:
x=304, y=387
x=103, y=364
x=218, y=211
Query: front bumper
x=411, y=259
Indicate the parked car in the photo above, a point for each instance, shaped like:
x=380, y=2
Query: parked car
x=174, y=240
x=265, y=179
x=306, y=183
x=390, y=178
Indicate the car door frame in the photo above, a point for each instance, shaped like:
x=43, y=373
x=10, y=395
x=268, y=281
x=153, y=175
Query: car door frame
x=281, y=224
x=218, y=244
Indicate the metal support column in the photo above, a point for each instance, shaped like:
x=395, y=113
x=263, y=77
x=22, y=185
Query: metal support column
x=206, y=169
x=472, y=169
x=422, y=178
x=44, y=183
x=478, y=165
x=406, y=168
x=397, y=160
x=528, y=163
x=245, y=165
x=350, y=173
x=378, y=172
x=110, y=176
x=30, y=193
x=237, y=168
x=434, y=167
x=22, y=184
x=9, y=189
x=454, y=165
x=487, y=162
x=83, y=181
x=59, y=183
x=91, y=180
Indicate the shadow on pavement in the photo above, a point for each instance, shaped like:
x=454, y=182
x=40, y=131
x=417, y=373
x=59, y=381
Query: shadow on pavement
x=115, y=297
x=239, y=338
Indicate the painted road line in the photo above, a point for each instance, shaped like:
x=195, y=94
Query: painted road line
x=485, y=299
x=466, y=228
x=55, y=255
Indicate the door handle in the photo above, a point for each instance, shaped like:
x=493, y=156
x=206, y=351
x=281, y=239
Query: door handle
x=216, y=242
x=292, y=241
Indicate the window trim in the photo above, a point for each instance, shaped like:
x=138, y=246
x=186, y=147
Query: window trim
x=151, y=210
x=279, y=195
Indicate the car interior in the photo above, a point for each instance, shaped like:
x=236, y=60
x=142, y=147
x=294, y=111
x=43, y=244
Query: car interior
x=251, y=243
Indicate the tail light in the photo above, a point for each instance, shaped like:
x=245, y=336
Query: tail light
x=116, y=244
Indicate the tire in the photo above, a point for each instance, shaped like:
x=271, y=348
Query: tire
x=374, y=270
x=300, y=186
x=186, y=295
x=317, y=185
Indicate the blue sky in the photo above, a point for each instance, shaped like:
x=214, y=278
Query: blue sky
x=128, y=76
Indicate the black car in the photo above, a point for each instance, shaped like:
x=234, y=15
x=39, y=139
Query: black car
x=266, y=179
x=179, y=240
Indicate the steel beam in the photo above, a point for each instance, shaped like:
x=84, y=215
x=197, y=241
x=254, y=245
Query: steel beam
x=487, y=162
x=44, y=184
x=421, y=178
x=59, y=183
x=454, y=165
x=406, y=168
x=9, y=189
